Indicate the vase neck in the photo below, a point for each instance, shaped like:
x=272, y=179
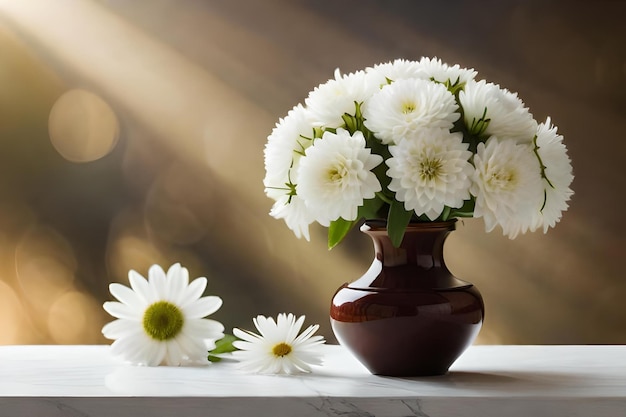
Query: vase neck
x=417, y=264
x=422, y=244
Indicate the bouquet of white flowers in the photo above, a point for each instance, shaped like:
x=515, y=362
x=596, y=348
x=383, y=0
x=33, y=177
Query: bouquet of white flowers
x=415, y=141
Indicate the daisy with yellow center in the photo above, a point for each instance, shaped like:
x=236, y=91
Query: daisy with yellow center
x=280, y=348
x=161, y=320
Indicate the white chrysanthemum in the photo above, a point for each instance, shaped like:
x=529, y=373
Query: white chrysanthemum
x=161, y=320
x=399, y=69
x=296, y=214
x=280, y=347
x=507, y=185
x=335, y=176
x=433, y=68
x=508, y=117
x=406, y=106
x=284, y=146
x=558, y=175
x=430, y=171
x=328, y=102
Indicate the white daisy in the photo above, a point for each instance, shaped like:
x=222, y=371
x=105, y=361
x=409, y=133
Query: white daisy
x=433, y=68
x=405, y=106
x=335, y=176
x=280, y=347
x=430, y=170
x=557, y=170
x=328, y=102
x=507, y=116
x=507, y=185
x=161, y=320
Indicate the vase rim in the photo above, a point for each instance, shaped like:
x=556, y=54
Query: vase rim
x=381, y=224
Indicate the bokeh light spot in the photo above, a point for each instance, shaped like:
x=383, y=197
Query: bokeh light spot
x=11, y=315
x=72, y=319
x=82, y=126
x=45, y=265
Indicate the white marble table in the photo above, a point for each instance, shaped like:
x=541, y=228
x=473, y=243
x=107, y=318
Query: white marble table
x=487, y=381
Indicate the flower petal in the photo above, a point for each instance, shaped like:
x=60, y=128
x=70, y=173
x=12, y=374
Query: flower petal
x=154, y=353
x=205, y=328
x=192, y=346
x=158, y=281
x=126, y=295
x=122, y=311
x=139, y=284
x=306, y=334
x=120, y=328
x=173, y=353
x=294, y=329
x=265, y=325
x=202, y=307
x=246, y=335
x=176, y=282
x=131, y=348
x=194, y=291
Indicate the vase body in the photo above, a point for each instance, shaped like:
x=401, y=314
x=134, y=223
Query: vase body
x=407, y=315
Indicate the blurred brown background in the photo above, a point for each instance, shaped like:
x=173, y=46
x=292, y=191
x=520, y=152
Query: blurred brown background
x=132, y=133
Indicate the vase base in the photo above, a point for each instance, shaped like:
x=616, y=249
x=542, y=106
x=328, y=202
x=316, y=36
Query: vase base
x=406, y=346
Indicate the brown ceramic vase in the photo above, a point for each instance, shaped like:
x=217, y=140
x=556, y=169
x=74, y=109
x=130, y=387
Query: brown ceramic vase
x=407, y=315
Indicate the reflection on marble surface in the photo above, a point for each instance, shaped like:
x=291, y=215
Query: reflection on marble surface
x=486, y=381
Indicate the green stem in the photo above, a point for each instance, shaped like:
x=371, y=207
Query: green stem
x=383, y=197
x=543, y=167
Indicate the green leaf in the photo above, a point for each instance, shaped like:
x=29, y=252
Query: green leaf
x=337, y=230
x=370, y=208
x=350, y=123
x=445, y=214
x=318, y=132
x=358, y=114
x=397, y=222
x=224, y=345
x=467, y=210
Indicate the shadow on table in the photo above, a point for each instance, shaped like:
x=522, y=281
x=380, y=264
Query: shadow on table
x=509, y=381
